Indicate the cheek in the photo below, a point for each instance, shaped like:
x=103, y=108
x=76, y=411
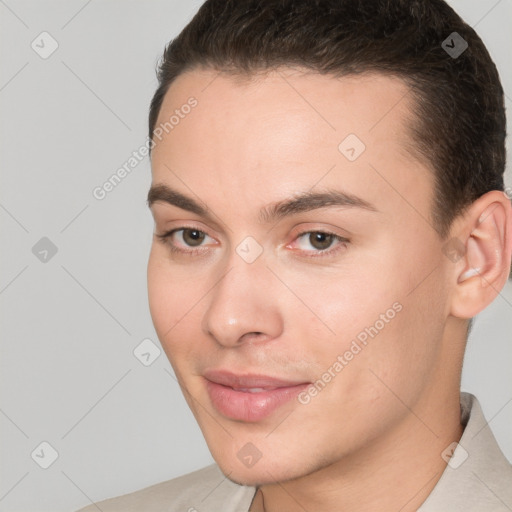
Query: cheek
x=337, y=305
x=378, y=327
x=173, y=300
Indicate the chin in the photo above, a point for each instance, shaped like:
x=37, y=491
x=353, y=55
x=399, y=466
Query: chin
x=262, y=473
x=245, y=479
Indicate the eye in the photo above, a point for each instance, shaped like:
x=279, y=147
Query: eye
x=190, y=241
x=317, y=239
x=179, y=239
x=321, y=242
x=191, y=237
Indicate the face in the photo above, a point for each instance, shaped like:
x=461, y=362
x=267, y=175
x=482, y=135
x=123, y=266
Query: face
x=295, y=281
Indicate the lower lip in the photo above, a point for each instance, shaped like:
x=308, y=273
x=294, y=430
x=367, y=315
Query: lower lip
x=250, y=407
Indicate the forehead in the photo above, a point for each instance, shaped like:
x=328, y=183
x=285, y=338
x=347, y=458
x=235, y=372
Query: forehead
x=325, y=105
x=265, y=135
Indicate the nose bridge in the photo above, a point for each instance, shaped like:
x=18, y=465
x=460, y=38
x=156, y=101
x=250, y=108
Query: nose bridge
x=241, y=300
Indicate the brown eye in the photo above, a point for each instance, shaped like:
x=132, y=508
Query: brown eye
x=317, y=244
x=193, y=237
x=320, y=240
x=188, y=241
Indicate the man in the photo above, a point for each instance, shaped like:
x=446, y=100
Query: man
x=329, y=217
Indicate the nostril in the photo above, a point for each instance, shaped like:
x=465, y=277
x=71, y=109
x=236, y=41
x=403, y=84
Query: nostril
x=253, y=336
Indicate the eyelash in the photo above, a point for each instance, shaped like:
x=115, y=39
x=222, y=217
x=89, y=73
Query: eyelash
x=165, y=239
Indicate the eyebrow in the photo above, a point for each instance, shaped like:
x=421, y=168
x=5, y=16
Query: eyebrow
x=301, y=202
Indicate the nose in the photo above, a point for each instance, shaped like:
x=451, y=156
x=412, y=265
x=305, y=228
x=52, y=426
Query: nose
x=243, y=305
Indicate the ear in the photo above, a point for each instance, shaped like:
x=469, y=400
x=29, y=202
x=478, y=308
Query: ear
x=484, y=243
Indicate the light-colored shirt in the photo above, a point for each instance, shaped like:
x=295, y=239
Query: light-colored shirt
x=478, y=478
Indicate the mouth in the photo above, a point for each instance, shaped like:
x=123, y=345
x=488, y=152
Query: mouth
x=249, y=398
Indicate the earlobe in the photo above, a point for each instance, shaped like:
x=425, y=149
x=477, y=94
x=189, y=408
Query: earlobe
x=488, y=247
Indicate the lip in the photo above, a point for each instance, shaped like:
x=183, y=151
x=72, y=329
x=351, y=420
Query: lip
x=249, y=397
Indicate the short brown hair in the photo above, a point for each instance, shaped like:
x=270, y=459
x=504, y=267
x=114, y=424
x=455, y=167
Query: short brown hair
x=460, y=123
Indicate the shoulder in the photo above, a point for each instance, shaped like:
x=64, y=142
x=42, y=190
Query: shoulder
x=204, y=490
x=478, y=476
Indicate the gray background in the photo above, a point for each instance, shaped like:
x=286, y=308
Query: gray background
x=68, y=373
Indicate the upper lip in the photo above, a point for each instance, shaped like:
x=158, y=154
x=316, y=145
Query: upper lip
x=238, y=381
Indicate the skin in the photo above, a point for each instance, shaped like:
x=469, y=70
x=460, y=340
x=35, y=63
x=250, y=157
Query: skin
x=393, y=409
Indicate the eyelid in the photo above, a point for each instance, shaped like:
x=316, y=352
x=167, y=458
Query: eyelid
x=178, y=225
x=162, y=211
x=185, y=228
x=315, y=227
x=166, y=236
x=331, y=251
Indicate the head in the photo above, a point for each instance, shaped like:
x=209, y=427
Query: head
x=331, y=180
